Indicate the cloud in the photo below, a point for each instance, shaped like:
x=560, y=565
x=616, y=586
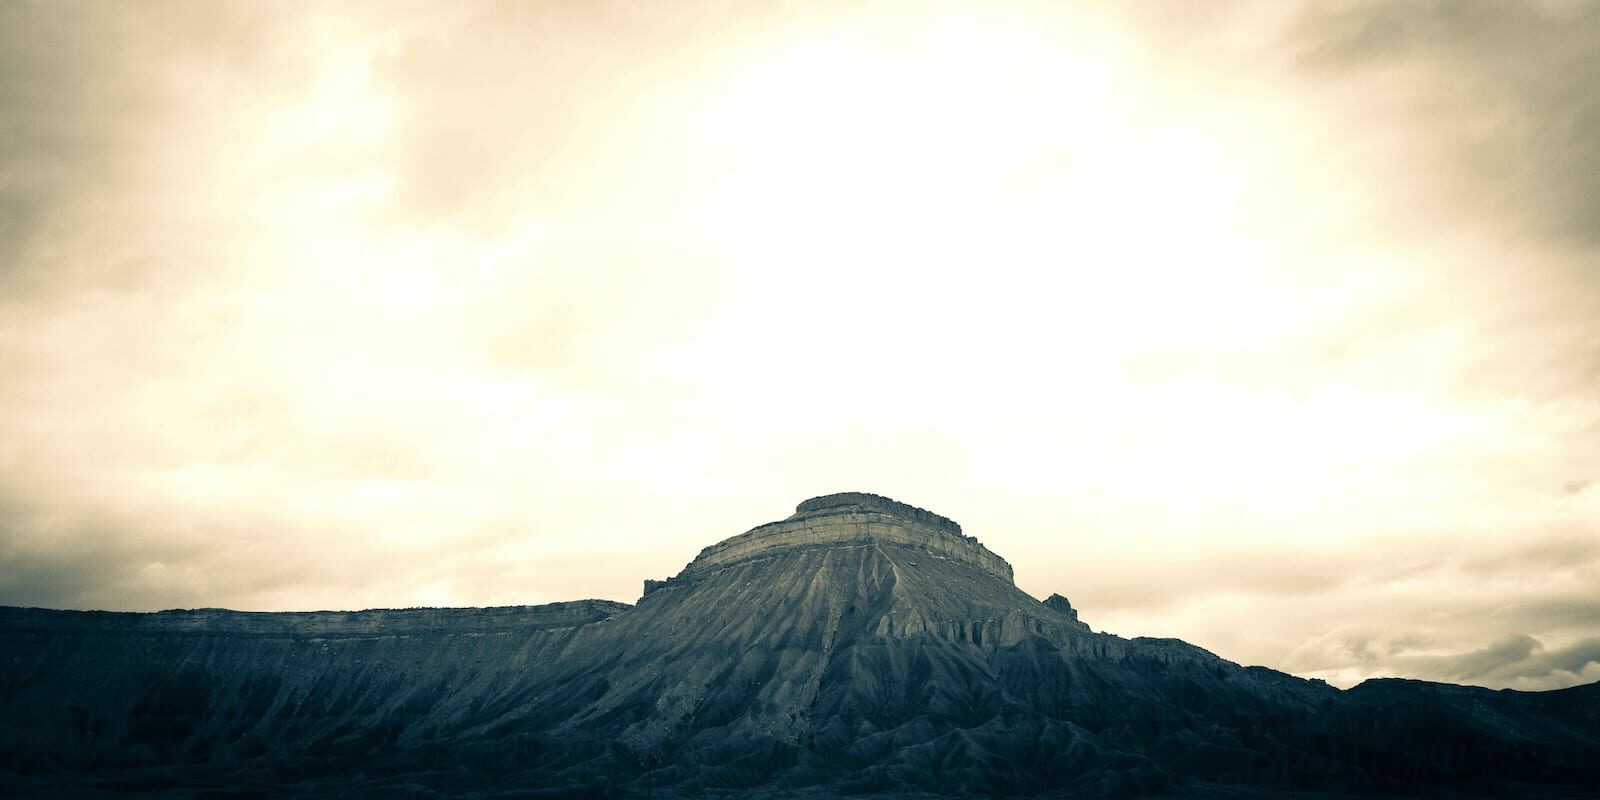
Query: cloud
x=1514, y=661
x=1270, y=312
x=1447, y=607
x=87, y=125
x=1497, y=89
x=242, y=329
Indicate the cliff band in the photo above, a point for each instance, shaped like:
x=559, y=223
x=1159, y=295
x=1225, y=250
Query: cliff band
x=851, y=519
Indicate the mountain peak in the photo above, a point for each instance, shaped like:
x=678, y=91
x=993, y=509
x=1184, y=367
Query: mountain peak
x=866, y=501
x=850, y=519
x=1060, y=605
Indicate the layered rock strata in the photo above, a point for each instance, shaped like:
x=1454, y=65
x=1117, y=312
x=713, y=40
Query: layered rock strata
x=849, y=518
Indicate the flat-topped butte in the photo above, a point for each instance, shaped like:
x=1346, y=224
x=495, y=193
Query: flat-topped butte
x=876, y=502
x=847, y=519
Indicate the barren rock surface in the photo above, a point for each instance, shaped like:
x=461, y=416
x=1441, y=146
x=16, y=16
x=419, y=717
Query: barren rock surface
x=854, y=518
x=860, y=646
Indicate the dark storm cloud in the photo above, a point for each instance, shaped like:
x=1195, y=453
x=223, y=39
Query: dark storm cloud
x=1576, y=611
x=1469, y=125
x=84, y=90
x=62, y=549
x=1556, y=551
x=1433, y=607
x=53, y=92
x=1503, y=91
x=64, y=581
x=57, y=551
x=1480, y=119
x=1512, y=658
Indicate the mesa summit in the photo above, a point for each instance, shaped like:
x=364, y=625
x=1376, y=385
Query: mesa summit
x=859, y=647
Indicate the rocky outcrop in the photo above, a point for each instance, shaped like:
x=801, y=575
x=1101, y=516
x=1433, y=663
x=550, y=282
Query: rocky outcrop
x=852, y=518
x=1059, y=604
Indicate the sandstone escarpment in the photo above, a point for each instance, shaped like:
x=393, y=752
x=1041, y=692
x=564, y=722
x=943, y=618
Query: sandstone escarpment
x=851, y=518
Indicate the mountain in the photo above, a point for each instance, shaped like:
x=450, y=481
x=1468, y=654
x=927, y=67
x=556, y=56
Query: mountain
x=859, y=647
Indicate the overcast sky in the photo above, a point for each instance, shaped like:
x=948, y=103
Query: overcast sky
x=1273, y=327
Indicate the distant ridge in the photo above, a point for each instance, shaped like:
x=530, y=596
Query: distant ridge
x=376, y=621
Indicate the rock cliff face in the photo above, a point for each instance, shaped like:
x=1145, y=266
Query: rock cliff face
x=1061, y=606
x=854, y=519
x=860, y=646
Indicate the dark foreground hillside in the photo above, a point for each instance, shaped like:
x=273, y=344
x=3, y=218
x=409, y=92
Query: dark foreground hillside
x=859, y=647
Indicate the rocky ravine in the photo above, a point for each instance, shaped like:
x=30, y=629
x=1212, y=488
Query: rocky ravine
x=861, y=646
